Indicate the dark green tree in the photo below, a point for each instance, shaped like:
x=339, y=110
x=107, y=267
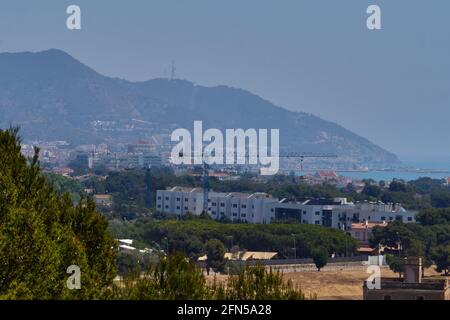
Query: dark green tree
x=320, y=257
x=396, y=264
x=215, y=251
x=42, y=234
x=372, y=190
x=173, y=278
x=441, y=257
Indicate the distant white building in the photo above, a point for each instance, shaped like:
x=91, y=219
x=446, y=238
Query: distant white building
x=252, y=208
x=233, y=206
x=338, y=213
x=180, y=201
x=262, y=208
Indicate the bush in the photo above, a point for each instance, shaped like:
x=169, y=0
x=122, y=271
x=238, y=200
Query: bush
x=175, y=278
x=320, y=257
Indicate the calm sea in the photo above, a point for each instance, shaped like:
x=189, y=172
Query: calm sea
x=443, y=165
x=384, y=175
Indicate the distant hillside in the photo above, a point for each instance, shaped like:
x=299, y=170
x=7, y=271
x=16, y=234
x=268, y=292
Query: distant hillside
x=52, y=96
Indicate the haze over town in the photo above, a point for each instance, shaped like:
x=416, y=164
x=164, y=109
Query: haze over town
x=389, y=86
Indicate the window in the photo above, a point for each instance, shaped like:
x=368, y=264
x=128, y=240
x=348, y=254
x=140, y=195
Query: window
x=159, y=206
x=178, y=208
x=167, y=198
x=390, y=218
x=234, y=214
x=186, y=208
x=222, y=204
x=317, y=213
x=186, y=199
x=304, y=212
x=159, y=198
x=317, y=222
x=387, y=298
x=243, y=215
x=243, y=206
x=272, y=210
x=214, y=204
x=383, y=218
x=167, y=207
x=420, y=298
x=235, y=205
x=178, y=199
x=305, y=222
x=409, y=218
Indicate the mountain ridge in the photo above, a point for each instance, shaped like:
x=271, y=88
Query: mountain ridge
x=53, y=96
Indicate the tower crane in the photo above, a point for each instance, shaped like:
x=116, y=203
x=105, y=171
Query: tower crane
x=300, y=155
x=304, y=155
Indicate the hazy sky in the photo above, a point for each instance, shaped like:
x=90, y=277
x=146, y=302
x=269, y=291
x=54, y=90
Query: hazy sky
x=391, y=86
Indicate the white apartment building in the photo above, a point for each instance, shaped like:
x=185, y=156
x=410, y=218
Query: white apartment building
x=233, y=206
x=262, y=208
x=338, y=213
x=243, y=207
x=179, y=201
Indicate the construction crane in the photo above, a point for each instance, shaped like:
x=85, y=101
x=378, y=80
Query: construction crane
x=301, y=155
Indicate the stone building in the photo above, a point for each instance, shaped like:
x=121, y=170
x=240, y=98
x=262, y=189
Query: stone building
x=411, y=287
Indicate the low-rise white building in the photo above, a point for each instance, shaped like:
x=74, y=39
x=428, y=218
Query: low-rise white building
x=180, y=201
x=262, y=208
x=338, y=213
x=243, y=207
x=234, y=206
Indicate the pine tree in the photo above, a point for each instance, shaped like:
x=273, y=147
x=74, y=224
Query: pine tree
x=42, y=234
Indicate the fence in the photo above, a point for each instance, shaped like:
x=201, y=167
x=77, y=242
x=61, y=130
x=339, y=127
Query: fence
x=294, y=262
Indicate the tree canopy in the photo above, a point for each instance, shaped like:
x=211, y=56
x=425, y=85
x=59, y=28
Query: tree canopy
x=42, y=234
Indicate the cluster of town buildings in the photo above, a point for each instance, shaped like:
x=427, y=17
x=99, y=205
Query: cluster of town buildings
x=58, y=155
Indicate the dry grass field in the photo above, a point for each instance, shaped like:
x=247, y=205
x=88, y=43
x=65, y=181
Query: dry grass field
x=332, y=285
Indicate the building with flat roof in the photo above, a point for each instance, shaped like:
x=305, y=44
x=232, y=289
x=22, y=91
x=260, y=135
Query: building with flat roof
x=245, y=256
x=103, y=200
x=234, y=206
x=411, y=287
x=339, y=213
x=262, y=208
